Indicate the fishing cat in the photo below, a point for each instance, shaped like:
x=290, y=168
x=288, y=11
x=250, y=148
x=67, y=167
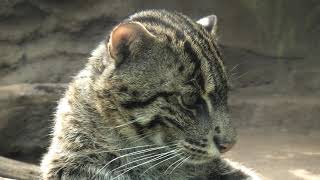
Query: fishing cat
x=151, y=104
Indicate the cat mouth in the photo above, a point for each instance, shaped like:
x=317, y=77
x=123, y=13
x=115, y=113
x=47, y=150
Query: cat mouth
x=199, y=155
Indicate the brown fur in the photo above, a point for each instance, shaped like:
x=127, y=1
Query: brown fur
x=139, y=91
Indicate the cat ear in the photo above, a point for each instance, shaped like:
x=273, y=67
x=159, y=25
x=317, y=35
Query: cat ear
x=126, y=38
x=209, y=23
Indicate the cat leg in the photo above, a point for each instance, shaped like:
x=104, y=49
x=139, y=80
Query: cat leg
x=90, y=173
x=228, y=170
x=96, y=173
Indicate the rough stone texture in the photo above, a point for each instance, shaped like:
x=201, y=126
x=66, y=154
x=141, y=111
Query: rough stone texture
x=279, y=155
x=275, y=42
x=25, y=119
x=12, y=169
x=270, y=49
x=26, y=112
x=298, y=114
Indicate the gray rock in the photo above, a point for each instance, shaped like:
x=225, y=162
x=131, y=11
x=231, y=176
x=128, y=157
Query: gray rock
x=273, y=44
x=26, y=111
x=273, y=36
x=298, y=114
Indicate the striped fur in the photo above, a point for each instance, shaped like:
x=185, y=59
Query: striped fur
x=150, y=104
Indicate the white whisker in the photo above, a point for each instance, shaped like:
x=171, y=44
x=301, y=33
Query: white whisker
x=163, y=161
x=173, y=164
x=140, y=159
x=145, y=155
x=180, y=164
x=124, y=149
x=241, y=75
x=155, y=159
x=130, y=154
x=125, y=124
x=236, y=66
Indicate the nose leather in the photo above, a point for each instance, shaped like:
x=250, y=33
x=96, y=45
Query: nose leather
x=222, y=146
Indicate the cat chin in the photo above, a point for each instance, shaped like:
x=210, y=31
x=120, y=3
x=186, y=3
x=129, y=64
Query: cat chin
x=201, y=160
x=198, y=161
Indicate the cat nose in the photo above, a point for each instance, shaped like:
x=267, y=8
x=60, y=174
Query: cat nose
x=223, y=146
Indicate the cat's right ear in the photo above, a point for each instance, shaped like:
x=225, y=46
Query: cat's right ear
x=127, y=38
x=209, y=23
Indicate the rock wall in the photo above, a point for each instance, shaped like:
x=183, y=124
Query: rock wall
x=270, y=49
x=276, y=41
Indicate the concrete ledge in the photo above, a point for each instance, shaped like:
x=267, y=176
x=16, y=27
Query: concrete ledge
x=26, y=111
x=284, y=112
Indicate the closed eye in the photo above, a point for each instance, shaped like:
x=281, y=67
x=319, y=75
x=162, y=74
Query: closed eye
x=146, y=102
x=188, y=102
x=196, y=104
x=164, y=121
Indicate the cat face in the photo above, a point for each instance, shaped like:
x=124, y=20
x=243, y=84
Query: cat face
x=170, y=83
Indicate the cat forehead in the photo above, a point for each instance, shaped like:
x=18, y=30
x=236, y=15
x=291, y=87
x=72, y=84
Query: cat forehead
x=164, y=21
x=193, y=44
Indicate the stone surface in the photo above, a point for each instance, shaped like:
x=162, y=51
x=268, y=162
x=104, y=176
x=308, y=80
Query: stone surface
x=279, y=155
x=26, y=112
x=12, y=169
x=285, y=113
x=271, y=39
x=270, y=49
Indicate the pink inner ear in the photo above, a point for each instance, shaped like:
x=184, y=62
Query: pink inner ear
x=121, y=35
x=124, y=34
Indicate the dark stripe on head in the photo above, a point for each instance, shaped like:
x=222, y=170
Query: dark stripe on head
x=180, y=36
x=205, y=37
x=169, y=110
x=146, y=102
x=160, y=120
x=193, y=30
x=153, y=20
x=194, y=58
x=185, y=26
x=174, y=122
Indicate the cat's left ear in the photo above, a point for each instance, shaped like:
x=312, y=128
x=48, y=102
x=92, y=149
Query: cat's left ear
x=209, y=23
x=126, y=39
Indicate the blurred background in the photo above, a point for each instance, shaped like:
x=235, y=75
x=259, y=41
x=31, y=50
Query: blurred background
x=271, y=50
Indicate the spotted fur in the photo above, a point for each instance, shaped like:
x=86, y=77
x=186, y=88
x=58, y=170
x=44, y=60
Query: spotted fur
x=151, y=103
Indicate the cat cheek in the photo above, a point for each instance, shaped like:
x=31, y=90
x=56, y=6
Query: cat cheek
x=158, y=138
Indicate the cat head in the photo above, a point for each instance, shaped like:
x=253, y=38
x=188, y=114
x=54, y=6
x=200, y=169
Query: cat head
x=169, y=83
